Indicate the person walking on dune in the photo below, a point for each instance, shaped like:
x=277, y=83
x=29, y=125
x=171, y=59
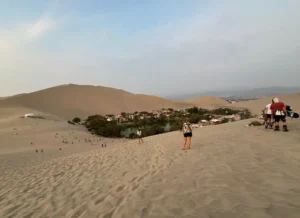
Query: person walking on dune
x=187, y=134
x=139, y=135
x=279, y=113
x=268, y=113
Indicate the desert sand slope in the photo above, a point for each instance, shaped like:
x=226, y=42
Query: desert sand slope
x=231, y=171
x=20, y=135
x=257, y=105
x=69, y=101
x=206, y=101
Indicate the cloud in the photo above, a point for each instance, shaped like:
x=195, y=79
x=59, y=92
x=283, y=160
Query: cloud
x=40, y=27
x=234, y=44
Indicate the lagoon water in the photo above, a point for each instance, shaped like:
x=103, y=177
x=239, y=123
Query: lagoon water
x=126, y=133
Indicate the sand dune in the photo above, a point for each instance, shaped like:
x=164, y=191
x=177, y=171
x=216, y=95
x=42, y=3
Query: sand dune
x=257, y=105
x=19, y=134
x=206, y=101
x=231, y=171
x=69, y=101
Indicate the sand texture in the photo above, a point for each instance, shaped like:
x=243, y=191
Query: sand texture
x=231, y=171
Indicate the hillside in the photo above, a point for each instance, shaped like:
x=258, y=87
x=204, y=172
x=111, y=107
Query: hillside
x=257, y=105
x=71, y=100
x=206, y=101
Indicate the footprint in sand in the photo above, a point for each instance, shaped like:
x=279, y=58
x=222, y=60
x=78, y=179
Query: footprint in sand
x=120, y=188
x=144, y=212
x=133, y=179
x=135, y=187
x=99, y=201
x=80, y=211
x=153, y=172
x=140, y=179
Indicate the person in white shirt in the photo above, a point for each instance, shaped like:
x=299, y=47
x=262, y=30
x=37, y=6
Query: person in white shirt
x=268, y=116
x=139, y=135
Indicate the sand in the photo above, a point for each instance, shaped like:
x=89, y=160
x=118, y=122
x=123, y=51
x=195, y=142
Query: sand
x=231, y=171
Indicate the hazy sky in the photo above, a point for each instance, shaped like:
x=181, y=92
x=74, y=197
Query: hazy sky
x=151, y=46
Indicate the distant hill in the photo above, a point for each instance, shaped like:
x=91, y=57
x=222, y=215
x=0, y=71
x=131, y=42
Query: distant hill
x=206, y=101
x=239, y=93
x=68, y=101
x=256, y=106
x=2, y=98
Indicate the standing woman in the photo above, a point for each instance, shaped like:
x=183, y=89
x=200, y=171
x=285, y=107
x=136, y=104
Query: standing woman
x=187, y=134
x=139, y=135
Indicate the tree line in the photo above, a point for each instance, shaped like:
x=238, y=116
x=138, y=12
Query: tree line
x=98, y=124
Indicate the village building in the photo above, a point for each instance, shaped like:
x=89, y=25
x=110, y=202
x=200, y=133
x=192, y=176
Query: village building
x=30, y=115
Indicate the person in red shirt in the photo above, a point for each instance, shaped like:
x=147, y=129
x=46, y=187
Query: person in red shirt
x=279, y=113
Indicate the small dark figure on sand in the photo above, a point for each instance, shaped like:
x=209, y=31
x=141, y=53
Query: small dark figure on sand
x=36, y=151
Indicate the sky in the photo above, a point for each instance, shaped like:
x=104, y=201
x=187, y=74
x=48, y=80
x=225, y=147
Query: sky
x=157, y=47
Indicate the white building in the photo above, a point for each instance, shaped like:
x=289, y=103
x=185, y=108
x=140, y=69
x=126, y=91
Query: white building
x=109, y=119
x=30, y=115
x=215, y=120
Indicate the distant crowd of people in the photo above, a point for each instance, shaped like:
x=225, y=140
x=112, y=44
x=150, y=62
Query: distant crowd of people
x=274, y=113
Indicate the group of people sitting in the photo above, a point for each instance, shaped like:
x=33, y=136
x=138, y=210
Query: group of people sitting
x=274, y=113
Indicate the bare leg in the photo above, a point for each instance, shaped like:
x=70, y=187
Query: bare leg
x=142, y=140
x=184, y=145
x=270, y=123
x=276, y=126
x=189, y=142
x=285, y=126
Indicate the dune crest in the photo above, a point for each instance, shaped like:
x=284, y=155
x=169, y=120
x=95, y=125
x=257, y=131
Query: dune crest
x=72, y=100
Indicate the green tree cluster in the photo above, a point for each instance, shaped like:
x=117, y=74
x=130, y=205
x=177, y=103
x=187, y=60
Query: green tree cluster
x=224, y=111
x=100, y=126
x=76, y=120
